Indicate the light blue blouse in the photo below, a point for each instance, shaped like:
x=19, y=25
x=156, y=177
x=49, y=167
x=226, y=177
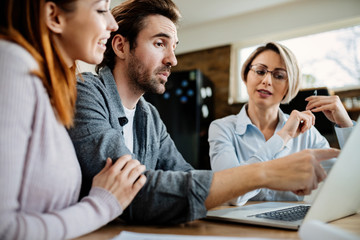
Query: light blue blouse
x=235, y=141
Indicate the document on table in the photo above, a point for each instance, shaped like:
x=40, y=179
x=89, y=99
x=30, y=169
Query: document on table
x=124, y=235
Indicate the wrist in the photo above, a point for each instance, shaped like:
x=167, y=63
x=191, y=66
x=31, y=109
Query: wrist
x=346, y=124
x=285, y=137
x=260, y=179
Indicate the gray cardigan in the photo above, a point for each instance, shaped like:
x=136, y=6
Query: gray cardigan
x=174, y=191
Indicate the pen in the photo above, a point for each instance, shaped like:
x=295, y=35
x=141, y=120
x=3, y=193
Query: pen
x=315, y=93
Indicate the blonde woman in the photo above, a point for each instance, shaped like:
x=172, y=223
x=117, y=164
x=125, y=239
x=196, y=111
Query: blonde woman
x=261, y=131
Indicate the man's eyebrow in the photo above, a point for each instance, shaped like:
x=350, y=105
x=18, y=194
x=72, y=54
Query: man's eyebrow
x=163, y=35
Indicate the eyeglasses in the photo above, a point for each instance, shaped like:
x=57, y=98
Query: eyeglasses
x=261, y=71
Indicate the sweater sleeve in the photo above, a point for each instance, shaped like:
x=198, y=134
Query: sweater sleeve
x=170, y=197
x=15, y=127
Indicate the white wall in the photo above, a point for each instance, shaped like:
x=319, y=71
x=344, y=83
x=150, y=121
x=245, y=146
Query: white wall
x=294, y=18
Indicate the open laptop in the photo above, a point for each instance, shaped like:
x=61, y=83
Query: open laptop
x=338, y=197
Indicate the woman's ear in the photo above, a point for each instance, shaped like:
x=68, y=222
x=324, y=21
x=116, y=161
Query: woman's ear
x=53, y=18
x=119, y=45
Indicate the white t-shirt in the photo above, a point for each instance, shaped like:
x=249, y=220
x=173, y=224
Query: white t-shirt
x=128, y=128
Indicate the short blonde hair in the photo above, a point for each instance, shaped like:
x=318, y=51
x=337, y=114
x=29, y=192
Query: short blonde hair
x=291, y=63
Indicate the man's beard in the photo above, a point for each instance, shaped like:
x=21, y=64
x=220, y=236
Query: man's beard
x=141, y=78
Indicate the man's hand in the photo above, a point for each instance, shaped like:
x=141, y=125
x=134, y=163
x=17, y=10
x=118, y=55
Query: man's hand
x=299, y=172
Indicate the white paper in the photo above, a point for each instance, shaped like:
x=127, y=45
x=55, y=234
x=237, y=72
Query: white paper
x=124, y=235
x=314, y=230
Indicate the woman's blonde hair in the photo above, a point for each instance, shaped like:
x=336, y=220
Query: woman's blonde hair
x=23, y=22
x=291, y=63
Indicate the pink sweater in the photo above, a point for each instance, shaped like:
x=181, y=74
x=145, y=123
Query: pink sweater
x=40, y=176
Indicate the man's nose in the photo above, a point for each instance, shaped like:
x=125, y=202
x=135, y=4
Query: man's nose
x=170, y=59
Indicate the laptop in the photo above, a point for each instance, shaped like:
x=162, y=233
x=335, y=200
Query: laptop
x=338, y=197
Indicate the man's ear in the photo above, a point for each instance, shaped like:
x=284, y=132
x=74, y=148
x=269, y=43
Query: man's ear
x=53, y=18
x=120, y=46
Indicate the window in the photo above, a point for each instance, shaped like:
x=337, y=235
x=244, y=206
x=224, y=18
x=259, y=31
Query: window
x=328, y=59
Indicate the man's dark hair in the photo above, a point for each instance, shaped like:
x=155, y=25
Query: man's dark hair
x=130, y=16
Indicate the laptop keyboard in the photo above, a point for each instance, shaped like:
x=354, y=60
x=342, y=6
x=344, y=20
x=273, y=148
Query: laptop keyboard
x=287, y=214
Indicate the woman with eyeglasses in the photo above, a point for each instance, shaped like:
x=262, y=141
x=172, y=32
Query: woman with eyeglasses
x=40, y=175
x=261, y=131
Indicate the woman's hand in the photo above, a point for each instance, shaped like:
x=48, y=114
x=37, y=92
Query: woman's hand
x=298, y=122
x=332, y=107
x=123, y=179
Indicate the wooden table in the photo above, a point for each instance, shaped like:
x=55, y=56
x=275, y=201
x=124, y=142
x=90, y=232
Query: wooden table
x=216, y=228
